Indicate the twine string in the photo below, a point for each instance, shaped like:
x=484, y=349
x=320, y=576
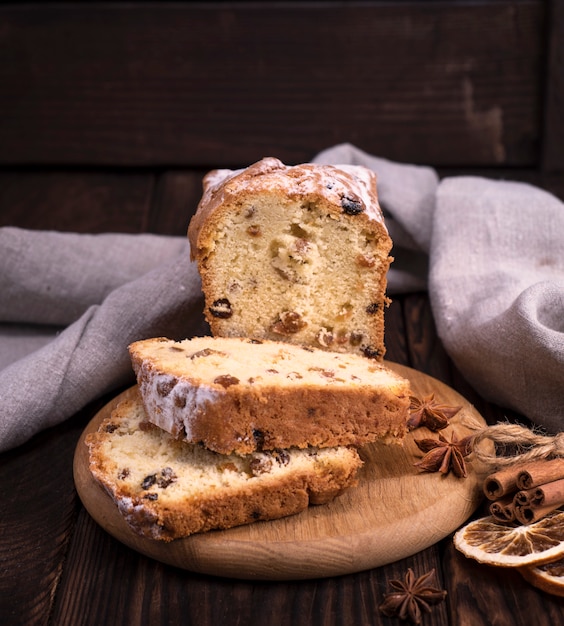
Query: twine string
x=514, y=443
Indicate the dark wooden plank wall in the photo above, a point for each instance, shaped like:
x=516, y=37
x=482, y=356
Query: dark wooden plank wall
x=553, y=132
x=90, y=90
x=183, y=84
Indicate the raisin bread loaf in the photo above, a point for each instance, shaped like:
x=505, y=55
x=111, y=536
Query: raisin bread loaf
x=167, y=489
x=297, y=254
x=241, y=395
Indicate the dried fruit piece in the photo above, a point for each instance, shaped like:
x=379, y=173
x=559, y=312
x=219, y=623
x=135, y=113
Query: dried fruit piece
x=259, y=437
x=355, y=338
x=548, y=577
x=206, y=352
x=345, y=312
x=373, y=308
x=167, y=477
x=221, y=308
x=260, y=465
x=288, y=323
x=323, y=372
x=282, y=457
x=513, y=545
x=294, y=376
x=254, y=230
x=370, y=352
x=163, y=479
x=325, y=338
x=149, y=481
x=352, y=205
x=226, y=380
x=164, y=387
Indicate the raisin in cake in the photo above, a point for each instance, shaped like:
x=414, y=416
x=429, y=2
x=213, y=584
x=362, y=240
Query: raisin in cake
x=298, y=254
x=167, y=489
x=241, y=395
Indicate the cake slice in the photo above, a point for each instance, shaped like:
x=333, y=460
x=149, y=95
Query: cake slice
x=294, y=253
x=166, y=489
x=243, y=395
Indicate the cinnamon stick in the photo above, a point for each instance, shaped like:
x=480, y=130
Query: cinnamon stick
x=523, y=476
x=538, y=473
x=501, y=483
x=503, y=510
x=533, y=504
x=528, y=515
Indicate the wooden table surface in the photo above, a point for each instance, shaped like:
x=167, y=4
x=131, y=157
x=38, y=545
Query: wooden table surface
x=58, y=567
x=110, y=115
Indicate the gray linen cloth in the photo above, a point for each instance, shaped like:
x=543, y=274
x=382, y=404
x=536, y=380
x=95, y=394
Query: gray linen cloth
x=70, y=306
x=491, y=254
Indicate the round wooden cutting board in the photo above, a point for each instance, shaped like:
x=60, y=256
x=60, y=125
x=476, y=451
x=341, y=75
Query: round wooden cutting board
x=394, y=512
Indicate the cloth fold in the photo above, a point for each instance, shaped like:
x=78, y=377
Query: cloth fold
x=52, y=277
x=159, y=294
x=496, y=285
x=490, y=253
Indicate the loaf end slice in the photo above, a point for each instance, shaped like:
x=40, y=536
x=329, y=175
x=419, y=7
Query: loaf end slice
x=294, y=253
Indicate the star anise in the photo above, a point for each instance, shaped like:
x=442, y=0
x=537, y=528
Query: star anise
x=427, y=412
x=445, y=456
x=412, y=595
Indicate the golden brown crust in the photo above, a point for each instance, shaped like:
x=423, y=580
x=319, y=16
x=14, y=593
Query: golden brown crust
x=332, y=186
x=186, y=490
x=201, y=391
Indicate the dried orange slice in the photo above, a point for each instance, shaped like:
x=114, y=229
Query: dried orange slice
x=513, y=545
x=548, y=577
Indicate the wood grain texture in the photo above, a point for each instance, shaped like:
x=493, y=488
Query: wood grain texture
x=86, y=202
x=553, y=150
x=394, y=512
x=176, y=198
x=39, y=511
x=161, y=595
x=485, y=595
x=198, y=84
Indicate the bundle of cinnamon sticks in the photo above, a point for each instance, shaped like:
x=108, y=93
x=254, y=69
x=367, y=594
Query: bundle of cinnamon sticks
x=526, y=493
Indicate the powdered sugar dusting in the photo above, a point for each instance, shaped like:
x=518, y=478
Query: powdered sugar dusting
x=333, y=182
x=173, y=411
